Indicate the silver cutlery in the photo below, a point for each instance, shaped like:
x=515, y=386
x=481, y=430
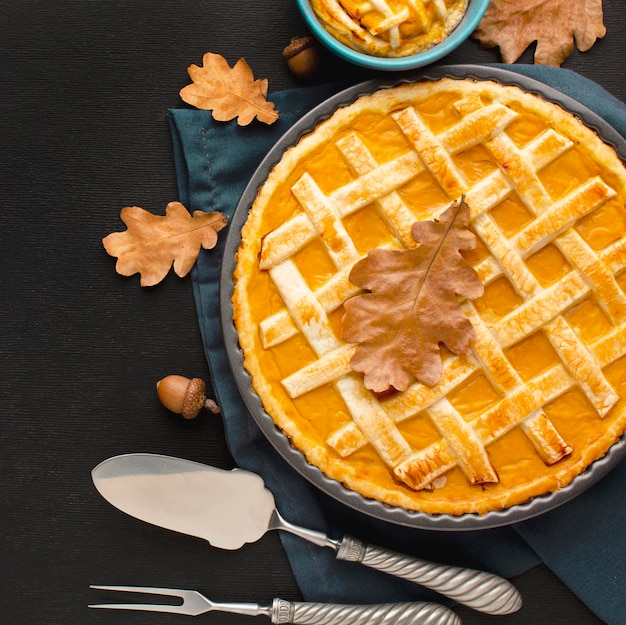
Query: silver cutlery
x=298, y=613
x=231, y=508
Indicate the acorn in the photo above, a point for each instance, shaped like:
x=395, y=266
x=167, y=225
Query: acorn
x=303, y=57
x=184, y=396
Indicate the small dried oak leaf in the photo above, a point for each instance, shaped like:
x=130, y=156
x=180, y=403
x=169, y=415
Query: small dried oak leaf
x=555, y=25
x=412, y=304
x=152, y=243
x=228, y=92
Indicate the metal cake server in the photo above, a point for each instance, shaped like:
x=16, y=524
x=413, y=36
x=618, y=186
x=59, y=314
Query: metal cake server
x=231, y=508
x=296, y=612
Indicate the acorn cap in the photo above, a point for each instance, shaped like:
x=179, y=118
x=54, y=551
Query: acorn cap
x=194, y=398
x=297, y=45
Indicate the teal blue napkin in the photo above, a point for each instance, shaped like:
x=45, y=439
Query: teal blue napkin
x=583, y=541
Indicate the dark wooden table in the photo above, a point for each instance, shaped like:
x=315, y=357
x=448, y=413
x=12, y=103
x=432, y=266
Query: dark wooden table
x=83, y=131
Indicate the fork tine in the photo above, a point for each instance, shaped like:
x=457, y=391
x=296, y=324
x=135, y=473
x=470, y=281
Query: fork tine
x=145, y=590
x=193, y=602
x=148, y=607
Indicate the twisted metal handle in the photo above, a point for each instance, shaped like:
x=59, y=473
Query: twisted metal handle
x=479, y=590
x=416, y=613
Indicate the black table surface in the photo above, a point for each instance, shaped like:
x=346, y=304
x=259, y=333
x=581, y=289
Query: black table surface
x=84, y=95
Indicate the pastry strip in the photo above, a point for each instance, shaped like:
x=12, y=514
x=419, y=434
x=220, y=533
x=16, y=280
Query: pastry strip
x=548, y=443
x=462, y=442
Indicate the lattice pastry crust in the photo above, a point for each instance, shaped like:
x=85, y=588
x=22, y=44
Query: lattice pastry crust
x=390, y=28
x=543, y=393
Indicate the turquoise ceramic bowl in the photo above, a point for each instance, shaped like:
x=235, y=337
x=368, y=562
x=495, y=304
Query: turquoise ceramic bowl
x=475, y=11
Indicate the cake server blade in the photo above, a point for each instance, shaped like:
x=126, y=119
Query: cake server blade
x=232, y=508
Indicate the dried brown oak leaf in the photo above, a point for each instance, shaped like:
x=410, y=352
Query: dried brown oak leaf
x=411, y=304
x=152, y=243
x=228, y=92
x=555, y=25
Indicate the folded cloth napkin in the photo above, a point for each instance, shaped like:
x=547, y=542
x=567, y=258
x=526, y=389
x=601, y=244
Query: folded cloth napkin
x=583, y=541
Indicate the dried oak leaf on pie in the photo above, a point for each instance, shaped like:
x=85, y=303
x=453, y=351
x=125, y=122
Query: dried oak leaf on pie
x=412, y=304
x=228, y=92
x=555, y=25
x=153, y=243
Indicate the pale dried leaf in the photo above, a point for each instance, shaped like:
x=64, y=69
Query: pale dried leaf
x=412, y=304
x=556, y=25
x=228, y=92
x=153, y=243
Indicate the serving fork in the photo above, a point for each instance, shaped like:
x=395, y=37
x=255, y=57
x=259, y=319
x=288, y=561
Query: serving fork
x=298, y=613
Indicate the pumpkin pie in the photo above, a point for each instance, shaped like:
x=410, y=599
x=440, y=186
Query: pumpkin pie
x=542, y=392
